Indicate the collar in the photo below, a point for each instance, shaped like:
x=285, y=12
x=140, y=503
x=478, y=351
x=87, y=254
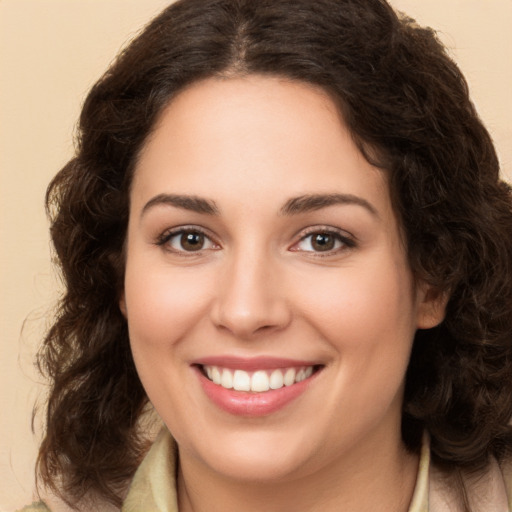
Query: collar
x=153, y=488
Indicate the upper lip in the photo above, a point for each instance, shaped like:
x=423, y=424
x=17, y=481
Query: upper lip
x=252, y=363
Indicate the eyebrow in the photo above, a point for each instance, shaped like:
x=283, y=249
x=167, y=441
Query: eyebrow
x=185, y=202
x=294, y=206
x=312, y=202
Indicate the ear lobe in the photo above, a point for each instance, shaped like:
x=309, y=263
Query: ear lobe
x=431, y=306
x=122, y=305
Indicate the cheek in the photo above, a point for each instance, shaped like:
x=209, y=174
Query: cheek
x=163, y=305
x=368, y=317
x=163, y=308
x=367, y=314
x=364, y=299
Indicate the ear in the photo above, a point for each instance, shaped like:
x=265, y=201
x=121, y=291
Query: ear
x=431, y=306
x=122, y=305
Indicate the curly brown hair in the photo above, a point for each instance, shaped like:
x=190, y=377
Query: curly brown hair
x=406, y=104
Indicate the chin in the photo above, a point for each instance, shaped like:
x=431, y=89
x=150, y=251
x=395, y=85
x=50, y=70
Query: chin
x=265, y=468
x=257, y=458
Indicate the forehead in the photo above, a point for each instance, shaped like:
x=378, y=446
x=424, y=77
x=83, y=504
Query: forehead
x=242, y=136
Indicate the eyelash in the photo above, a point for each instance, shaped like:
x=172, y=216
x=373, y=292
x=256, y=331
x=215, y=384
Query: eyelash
x=164, y=239
x=347, y=241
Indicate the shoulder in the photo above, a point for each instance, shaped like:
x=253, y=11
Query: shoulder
x=35, y=507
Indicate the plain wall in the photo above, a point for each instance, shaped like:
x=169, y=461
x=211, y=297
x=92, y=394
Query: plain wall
x=51, y=52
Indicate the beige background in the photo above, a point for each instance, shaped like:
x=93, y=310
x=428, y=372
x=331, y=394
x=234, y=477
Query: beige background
x=51, y=52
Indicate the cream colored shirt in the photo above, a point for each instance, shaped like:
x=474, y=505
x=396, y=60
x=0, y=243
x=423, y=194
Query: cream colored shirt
x=153, y=488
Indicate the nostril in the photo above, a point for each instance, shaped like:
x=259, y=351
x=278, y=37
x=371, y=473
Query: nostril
x=265, y=328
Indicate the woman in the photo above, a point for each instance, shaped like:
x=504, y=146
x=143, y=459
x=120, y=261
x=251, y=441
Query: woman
x=284, y=228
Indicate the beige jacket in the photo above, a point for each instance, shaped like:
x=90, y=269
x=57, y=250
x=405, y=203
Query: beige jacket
x=153, y=487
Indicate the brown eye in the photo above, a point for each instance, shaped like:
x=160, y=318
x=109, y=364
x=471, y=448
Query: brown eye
x=186, y=240
x=192, y=241
x=323, y=242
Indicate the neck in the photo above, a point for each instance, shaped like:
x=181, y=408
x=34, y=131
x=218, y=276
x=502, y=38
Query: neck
x=378, y=479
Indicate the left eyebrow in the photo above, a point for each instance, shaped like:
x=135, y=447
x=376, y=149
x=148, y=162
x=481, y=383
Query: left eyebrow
x=185, y=202
x=312, y=202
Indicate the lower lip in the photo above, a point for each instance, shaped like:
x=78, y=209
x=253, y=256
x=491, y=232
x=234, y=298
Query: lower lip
x=243, y=403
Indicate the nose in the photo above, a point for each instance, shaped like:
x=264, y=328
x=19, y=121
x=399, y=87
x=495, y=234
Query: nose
x=251, y=299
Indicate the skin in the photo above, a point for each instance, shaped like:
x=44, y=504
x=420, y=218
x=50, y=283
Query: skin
x=259, y=287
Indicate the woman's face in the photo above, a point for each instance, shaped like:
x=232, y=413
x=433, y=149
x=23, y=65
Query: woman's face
x=263, y=253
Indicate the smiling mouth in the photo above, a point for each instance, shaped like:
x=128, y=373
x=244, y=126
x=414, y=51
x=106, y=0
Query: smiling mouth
x=259, y=381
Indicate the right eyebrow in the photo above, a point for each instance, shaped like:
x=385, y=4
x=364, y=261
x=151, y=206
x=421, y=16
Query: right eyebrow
x=312, y=202
x=185, y=202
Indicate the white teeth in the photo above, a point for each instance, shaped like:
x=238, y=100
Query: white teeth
x=276, y=379
x=289, y=377
x=216, y=375
x=301, y=375
x=227, y=379
x=259, y=381
x=241, y=381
